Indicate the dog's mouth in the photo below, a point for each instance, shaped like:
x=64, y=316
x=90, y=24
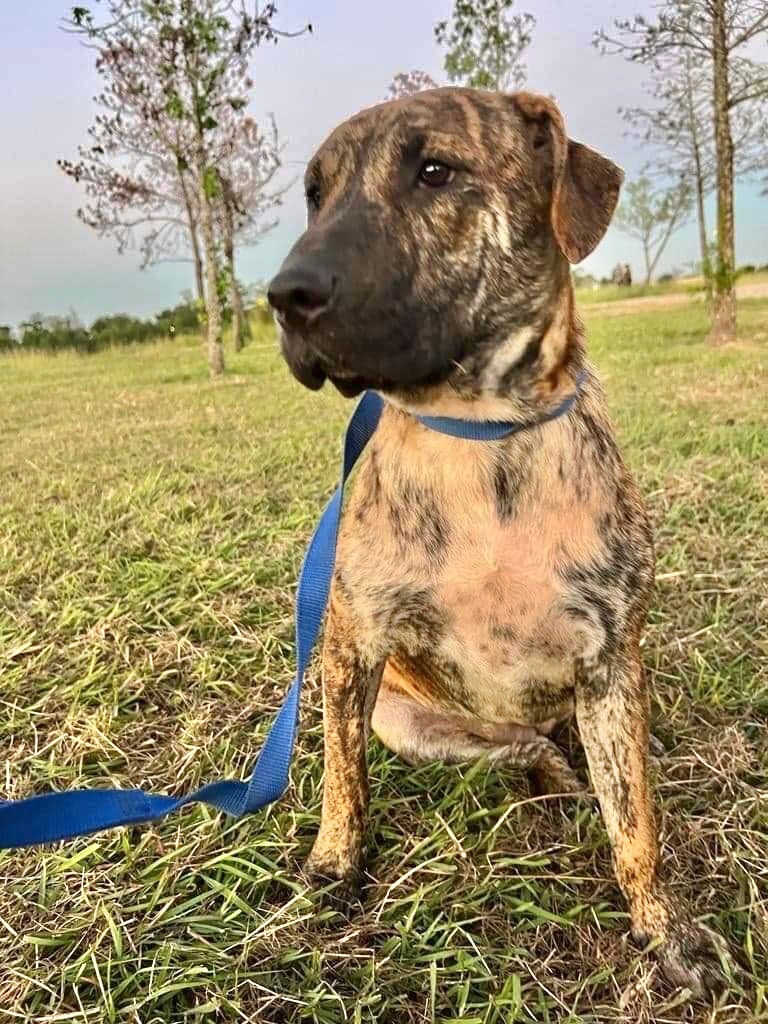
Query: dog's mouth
x=314, y=357
x=312, y=368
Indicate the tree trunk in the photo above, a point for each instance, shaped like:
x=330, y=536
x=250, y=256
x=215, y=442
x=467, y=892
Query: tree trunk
x=698, y=174
x=497, y=51
x=198, y=259
x=213, y=305
x=706, y=269
x=240, y=331
x=662, y=244
x=199, y=284
x=194, y=241
x=723, y=327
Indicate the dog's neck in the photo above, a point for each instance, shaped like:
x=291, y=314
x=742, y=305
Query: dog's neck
x=518, y=377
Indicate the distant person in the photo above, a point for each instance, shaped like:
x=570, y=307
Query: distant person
x=172, y=331
x=622, y=275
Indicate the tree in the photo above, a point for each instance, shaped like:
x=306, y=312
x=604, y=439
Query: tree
x=54, y=333
x=408, y=82
x=7, y=344
x=247, y=164
x=147, y=203
x=678, y=127
x=484, y=43
x=60, y=333
x=715, y=33
x=176, y=73
x=651, y=216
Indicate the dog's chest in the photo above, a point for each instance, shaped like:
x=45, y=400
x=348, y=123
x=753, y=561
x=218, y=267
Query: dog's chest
x=508, y=642
x=466, y=580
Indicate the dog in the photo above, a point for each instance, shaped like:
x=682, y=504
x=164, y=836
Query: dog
x=483, y=591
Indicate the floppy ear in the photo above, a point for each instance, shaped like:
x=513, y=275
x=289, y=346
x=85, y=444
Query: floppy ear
x=584, y=184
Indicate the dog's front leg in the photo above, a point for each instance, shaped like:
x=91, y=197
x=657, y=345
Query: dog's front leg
x=350, y=684
x=612, y=708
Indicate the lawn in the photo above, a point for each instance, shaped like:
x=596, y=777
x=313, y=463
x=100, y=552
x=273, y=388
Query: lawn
x=151, y=532
x=688, y=285
x=638, y=290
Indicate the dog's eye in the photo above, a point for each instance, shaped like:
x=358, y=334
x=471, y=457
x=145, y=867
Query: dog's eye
x=313, y=196
x=435, y=174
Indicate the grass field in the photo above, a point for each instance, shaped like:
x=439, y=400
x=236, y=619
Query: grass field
x=151, y=530
x=617, y=293
x=690, y=285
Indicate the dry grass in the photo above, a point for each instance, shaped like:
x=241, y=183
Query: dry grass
x=150, y=535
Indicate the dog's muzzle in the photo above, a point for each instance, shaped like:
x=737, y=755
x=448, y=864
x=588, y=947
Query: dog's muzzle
x=301, y=294
x=347, y=312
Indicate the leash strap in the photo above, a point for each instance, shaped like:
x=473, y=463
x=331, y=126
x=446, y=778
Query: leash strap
x=53, y=816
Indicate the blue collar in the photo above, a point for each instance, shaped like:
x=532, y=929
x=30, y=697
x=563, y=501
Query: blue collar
x=49, y=817
x=494, y=430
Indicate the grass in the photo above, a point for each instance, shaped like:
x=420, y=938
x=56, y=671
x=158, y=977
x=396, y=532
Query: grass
x=616, y=293
x=151, y=532
x=690, y=286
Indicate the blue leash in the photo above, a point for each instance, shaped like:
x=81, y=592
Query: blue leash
x=53, y=816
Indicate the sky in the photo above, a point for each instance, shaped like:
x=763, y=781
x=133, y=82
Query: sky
x=50, y=262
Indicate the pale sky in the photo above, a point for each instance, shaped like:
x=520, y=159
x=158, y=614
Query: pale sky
x=50, y=262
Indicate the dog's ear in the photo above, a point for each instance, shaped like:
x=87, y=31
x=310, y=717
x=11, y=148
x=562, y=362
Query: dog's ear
x=584, y=185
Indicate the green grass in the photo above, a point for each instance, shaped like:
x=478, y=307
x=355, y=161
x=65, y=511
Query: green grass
x=688, y=286
x=615, y=293
x=151, y=532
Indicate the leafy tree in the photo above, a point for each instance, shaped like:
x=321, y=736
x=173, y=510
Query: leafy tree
x=61, y=333
x=182, y=316
x=484, y=43
x=651, y=216
x=176, y=84
x=7, y=344
x=54, y=334
x=715, y=34
x=408, y=82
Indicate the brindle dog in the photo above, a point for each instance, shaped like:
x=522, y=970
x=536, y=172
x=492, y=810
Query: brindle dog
x=484, y=591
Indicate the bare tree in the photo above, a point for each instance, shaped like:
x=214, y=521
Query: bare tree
x=247, y=163
x=177, y=71
x=678, y=128
x=715, y=33
x=408, y=82
x=485, y=42
x=651, y=216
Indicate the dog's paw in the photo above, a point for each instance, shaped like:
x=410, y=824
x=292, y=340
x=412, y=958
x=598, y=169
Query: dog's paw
x=563, y=783
x=551, y=775
x=339, y=882
x=692, y=956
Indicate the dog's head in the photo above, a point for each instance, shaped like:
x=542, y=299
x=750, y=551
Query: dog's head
x=440, y=226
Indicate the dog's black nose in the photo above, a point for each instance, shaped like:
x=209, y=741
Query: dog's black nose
x=301, y=293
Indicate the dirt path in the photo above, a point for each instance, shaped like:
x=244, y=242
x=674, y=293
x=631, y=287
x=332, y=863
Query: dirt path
x=621, y=307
